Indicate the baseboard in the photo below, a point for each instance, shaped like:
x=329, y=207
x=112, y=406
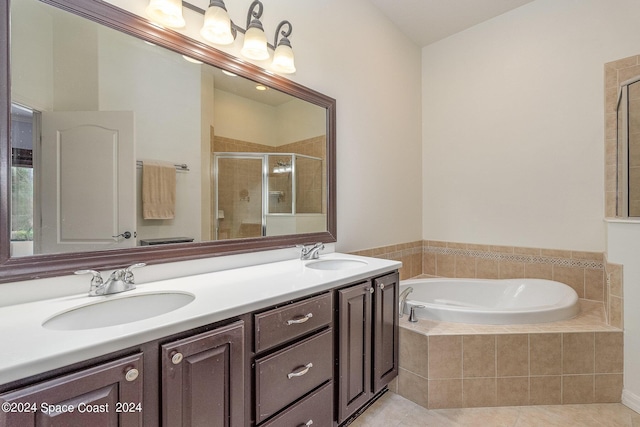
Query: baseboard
x=631, y=400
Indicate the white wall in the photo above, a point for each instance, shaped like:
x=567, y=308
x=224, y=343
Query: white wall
x=167, y=121
x=513, y=125
x=351, y=52
x=623, y=247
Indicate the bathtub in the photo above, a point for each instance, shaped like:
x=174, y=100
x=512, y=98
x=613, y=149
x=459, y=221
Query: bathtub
x=492, y=302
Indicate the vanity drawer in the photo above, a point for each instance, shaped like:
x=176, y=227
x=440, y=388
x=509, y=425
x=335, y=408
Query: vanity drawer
x=287, y=375
x=315, y=409
x=282, y=324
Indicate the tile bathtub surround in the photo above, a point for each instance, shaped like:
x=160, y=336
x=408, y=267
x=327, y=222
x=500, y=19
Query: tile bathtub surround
x=455, y=365
x=463, y=371
x=452, y=365
x=587, y=273
x=583, y=271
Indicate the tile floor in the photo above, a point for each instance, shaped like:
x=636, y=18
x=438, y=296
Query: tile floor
x=392, y=410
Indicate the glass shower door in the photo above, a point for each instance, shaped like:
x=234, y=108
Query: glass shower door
x=239, y=197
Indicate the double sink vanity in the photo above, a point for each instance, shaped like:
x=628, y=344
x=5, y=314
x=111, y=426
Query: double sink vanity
x=228, y=343
x=286, y=343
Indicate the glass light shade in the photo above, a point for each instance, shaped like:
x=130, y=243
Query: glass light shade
x=166, y=12
x=283, y=59
x=255, y=44
x=217, y=26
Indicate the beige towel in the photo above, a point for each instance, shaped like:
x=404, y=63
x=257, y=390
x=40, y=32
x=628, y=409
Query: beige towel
x=158, y=190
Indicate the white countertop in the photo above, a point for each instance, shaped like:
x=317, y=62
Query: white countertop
x=29, y=349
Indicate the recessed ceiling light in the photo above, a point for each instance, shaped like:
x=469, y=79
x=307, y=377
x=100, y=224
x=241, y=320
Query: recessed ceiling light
x=192, y=60
x=261, y=87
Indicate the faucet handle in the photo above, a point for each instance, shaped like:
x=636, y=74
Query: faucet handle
x=128, y=274
x=96, y=276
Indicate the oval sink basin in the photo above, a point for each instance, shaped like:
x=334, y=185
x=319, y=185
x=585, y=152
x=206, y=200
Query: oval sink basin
x=335, y=264
x=118, y=311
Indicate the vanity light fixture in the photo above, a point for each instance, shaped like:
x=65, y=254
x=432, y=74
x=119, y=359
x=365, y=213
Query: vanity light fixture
x=217, y=24
x=283, y=55
x=255, y=40
x=219, y=29
x=166, y=12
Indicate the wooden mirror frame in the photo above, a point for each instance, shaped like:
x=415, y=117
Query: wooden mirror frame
x=40, y=266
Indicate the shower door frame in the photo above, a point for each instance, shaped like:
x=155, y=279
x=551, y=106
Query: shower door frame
x=265, y=184
x=263, y=201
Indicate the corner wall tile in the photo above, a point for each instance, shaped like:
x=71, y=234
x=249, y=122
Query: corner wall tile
x=608, y=388
x=413, y=387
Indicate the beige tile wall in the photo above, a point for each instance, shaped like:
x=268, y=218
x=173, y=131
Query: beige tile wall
x=583, y=271
x=613, y=295
x=615, y=73
x=452, y=371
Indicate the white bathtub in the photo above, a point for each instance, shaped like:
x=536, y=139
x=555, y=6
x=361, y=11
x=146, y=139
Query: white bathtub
x=492, y=302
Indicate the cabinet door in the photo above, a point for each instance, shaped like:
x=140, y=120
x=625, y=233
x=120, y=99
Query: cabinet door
x=203, y=379
x=385, y=330
x=107, y=395
x=354, y=364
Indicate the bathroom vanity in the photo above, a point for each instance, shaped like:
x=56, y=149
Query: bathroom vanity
x=286, y=343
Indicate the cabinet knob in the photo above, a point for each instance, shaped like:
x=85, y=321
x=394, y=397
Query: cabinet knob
x=132, y=374
x=300, y=319
x=371, y=290
x=176, y=358
x=300, y=372
x=381, y=285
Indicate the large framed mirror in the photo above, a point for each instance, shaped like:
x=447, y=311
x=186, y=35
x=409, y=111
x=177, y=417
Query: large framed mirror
x=124, y=142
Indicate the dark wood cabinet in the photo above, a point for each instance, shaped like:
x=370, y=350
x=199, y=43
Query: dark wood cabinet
x=368, y=341
x=385, y=330
x=293, y=365
x=203, y=379
x=354, y=348
x=106, y=395
x=289, y=364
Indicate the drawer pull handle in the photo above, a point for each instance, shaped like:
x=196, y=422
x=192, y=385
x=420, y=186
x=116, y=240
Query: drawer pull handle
x=301, y=372
x=307, y=424
x=300, y=319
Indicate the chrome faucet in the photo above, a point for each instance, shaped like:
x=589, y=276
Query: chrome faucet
x=119, y=281
x=403, y=300
x=310, y=252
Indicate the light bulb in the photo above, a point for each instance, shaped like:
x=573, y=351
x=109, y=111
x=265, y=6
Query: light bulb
x=217, y=25
x=166, y=12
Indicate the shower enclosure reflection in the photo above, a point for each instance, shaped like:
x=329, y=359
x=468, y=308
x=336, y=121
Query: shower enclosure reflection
x=260, y=194
x=629, y=149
